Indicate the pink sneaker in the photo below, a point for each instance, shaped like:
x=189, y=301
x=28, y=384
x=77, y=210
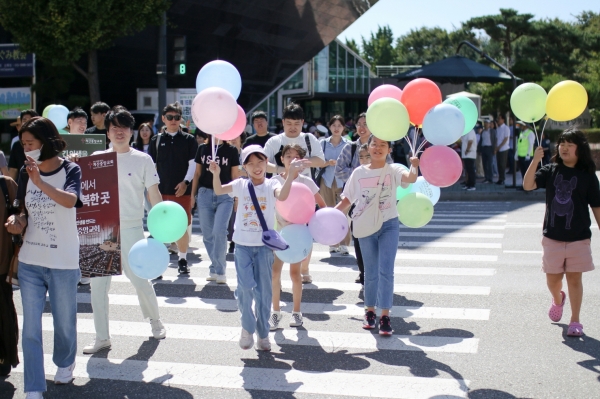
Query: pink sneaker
x=556, y=311
x=575, y=329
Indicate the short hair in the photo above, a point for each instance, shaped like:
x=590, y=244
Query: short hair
x=77, y=112
x=200, y=133
x=44, y=130
x=293, y=111
x=30, y=112
x=363, y=147
x=301, y=151
x=175, y=107
x=258, y=114
x=99, y=108
x=119, y=117
x=258, y=155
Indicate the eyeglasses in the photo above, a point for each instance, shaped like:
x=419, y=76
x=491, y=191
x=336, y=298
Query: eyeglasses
x=171, y=117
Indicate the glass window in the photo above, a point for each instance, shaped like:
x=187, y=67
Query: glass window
x=320, y=75
x=350, y=72
x=295, y=82
x=359, y=77
x=272, y=110
x=341, y=69
x=333, y=67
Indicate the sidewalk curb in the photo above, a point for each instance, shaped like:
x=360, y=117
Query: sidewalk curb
x=507, y=195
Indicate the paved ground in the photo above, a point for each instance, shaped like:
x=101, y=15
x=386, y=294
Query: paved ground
x=470, y=320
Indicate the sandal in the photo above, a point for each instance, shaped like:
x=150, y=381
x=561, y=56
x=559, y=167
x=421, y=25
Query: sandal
x=306, y=279
x=556, y=311
x=575, y=329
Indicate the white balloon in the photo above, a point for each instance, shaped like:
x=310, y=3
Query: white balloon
x=58, y=115
x=424, y=187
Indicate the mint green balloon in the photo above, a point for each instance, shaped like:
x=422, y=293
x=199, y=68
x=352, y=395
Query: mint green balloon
x=468, y=109
x=47, y=109
x=528, y=102
x=167, y=221
x=415, y=210
x=401, y=192
x=387, y=119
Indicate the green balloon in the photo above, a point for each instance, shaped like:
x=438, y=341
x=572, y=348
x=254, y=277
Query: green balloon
x=468, y=109
x=415, y=210
x=387, y=119
x=528, y=102
x=401, y=192
x=47, y=109
x=167, y=221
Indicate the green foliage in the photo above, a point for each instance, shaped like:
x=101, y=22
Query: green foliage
x=352, y=45
x=378, y=50
x=61, y=31
x=427, y=45
x=593, y=135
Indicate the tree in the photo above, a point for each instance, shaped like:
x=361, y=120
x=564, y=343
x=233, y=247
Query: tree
x=505, y=28
x=61, y=32
x=352, y=45
x=426, y=45
x=379, y=49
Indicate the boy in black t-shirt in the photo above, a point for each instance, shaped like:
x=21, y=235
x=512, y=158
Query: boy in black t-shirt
x=571, y=185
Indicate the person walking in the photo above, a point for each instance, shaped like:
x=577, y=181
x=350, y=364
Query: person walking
x=488, y=146
x=253, y=260
x=16, y=159
x=145, y=134
x=571, y=187
x=49, y=189
x=524, y=147
x=77, y=120
x=501, y=152
x=260, y=123
x=469, y=154
x=99, y=111
x=371, y=188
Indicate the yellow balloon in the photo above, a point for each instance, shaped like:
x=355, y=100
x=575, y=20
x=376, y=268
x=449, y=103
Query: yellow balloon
x=566, y=101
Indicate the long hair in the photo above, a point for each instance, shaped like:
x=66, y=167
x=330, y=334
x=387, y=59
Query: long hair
x=139, y=143
x=44, y=131
x=585, y=161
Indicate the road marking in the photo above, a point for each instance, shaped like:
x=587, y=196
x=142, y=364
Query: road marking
x=262, y=379
x=468, y=220
x=447, y=244
x=521, y=252
x=451, y=235
x=470, y=214
x=459, y=227
x=288, y=336
x=228, y=305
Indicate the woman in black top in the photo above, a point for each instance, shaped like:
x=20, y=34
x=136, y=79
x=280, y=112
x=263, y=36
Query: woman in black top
x=144, y=135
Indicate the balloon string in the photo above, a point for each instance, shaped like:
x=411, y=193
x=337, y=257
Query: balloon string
x=409, y=143
x=538, y=140
x=421, y=146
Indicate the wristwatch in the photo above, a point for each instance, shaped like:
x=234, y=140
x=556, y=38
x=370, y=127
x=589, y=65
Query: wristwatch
x=187, y=183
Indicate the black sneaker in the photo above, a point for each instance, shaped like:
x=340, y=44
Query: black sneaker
x=231, y=247
x=183, y=267
x=385, y=326
x=369, y=321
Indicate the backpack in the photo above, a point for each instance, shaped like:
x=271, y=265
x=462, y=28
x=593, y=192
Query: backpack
x=308, y=146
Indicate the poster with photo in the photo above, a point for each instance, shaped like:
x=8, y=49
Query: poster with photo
x=98, y=220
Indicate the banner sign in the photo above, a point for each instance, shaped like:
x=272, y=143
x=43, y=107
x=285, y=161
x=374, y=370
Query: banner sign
x=98, y=221
x=14, y=63
x=13, y=100
x=83, y=145
x=186, y=99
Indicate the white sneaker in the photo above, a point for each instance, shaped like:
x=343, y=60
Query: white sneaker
x=34, y=395
x=333, y=249
x=64, y=375
x=274, y=320
x=212, y=277
x=344, y=250
x=296, y=320
x=246, y=340
x=85, y=280
x=158, y=330
x=263, y=344
x=221, y=279
x=97, y=346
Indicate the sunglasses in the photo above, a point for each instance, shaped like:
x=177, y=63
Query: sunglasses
x=171, y=117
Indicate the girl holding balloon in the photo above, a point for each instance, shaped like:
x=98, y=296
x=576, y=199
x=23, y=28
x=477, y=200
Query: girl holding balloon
x=371, y=188
x=253, y=260
x=289, y=154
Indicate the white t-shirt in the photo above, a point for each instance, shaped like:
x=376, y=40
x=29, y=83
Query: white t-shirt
x=247, y=229
x=51, y=239
x=503, y=132
x=465, y=142
x=136, y=172
x=361, y=190
x=307, y=181
x=274, y=144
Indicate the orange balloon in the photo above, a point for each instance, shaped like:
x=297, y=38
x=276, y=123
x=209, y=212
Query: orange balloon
x=419, y=96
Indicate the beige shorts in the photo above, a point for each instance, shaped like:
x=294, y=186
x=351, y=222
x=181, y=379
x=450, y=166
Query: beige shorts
x=560, y=257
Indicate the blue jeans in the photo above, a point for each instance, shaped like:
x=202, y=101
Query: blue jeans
x=379, y=254
x=214, y=211
x=61, y=286
x=254, y=274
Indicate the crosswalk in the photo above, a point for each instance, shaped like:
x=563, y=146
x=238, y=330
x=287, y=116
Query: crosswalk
x=443, y=279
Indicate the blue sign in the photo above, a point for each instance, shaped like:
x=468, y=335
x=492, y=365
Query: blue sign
x=14, y=63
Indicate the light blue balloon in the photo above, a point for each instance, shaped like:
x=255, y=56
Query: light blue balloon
x=148, y=258
x=443, y=124
x=300, y=241
x=220, y=74
x=424, y=187
x=58, y=115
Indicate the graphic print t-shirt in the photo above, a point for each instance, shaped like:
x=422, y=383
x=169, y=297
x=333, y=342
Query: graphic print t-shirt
x=226, y=157
x=569, y=191
x=308, y=182
x=361, y=190
x=51, y=239
x=247, y=229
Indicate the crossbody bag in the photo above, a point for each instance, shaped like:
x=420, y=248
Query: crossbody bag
x=271, y=238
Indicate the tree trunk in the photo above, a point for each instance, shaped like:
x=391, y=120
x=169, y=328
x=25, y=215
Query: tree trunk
x=92, y=77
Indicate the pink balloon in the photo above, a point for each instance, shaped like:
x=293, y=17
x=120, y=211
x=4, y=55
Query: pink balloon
x=214, y=110
x=299, y=207
x=384, y=91
x=328, y=226
x=441, y=166
x=237, y=128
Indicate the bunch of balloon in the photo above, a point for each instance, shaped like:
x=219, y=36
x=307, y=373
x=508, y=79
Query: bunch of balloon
x=57, y=115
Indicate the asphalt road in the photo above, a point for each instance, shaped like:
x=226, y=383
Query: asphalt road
x=470, y=321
